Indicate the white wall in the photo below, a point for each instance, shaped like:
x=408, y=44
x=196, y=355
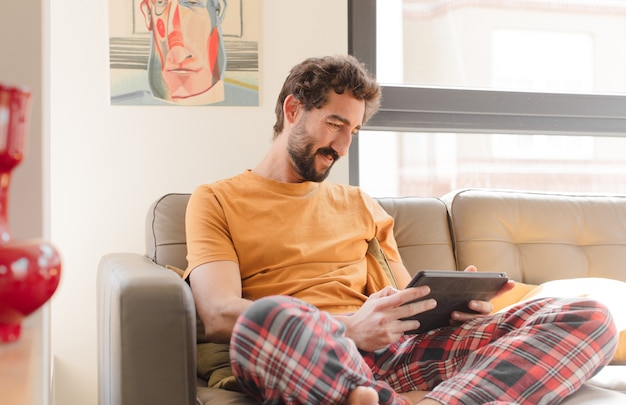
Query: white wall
x=109, y=163
x=21, y=50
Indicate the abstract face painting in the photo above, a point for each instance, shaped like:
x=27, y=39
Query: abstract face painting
x=187, y=57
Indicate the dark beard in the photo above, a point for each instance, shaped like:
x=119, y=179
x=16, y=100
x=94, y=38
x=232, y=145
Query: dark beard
x=304, y=162
x=300, y=149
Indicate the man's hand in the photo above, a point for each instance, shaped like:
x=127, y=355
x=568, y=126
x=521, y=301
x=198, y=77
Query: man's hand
x=378, y=323
x=483, y=308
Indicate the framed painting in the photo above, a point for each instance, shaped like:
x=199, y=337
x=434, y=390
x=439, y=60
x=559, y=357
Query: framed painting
x=184, y=52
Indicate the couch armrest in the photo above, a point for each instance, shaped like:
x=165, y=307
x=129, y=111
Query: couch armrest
x=146, y=333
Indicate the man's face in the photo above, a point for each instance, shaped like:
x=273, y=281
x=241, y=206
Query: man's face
x=321, y=136
x=303, y=156
x=187, y=52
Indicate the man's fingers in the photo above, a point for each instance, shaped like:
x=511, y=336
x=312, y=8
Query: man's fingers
x=506, y=287
x=471, y=268
x=417, y=307
x=482, y=307
x=391, y=298
x=410, y=294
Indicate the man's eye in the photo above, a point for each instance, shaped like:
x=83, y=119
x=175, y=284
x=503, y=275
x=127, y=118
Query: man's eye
x=159, y=6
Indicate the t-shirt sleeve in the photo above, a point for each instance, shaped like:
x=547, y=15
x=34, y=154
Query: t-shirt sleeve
x=384, y=228
x=208, y=237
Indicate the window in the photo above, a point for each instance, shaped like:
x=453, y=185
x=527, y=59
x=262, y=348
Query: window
x=525, y=94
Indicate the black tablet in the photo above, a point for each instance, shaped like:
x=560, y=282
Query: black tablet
x=453, y=290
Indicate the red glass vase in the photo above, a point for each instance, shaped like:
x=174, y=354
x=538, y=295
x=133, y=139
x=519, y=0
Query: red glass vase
x=30, y=269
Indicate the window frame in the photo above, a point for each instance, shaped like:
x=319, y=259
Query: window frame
x=410, y=108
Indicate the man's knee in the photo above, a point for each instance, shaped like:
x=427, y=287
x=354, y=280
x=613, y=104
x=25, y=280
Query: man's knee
x=595, y=320
x=585, y=310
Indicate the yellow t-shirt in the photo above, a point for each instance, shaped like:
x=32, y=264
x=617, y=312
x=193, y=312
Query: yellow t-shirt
x=306, y=240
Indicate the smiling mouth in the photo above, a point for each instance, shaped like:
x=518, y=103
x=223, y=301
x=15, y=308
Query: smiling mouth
x=328, y=154
x=327, y=160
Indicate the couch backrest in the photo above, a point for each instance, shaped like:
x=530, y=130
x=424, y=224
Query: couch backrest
x=421, y=231
x=538, y=237
x=166, y=242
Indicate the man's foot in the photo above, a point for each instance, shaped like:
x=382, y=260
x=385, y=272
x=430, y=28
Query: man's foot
x=414, y=397
x=417, y=398
x=369, y=396
x=363, y=396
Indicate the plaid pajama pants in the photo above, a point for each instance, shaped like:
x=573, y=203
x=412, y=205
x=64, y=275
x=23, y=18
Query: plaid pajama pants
x=284, y=351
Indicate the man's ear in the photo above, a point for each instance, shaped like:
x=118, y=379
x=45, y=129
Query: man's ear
x=291, y=107
x=147, y=14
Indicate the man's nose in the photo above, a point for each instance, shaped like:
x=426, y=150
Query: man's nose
x=175, y=35
x=178, y=54
x=175, y=39
x=341, y=144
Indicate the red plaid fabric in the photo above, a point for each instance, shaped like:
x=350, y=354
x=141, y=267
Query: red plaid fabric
x=284, y=351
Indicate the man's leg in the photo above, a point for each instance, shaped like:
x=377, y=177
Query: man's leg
x=284, y=351
x=535, y=353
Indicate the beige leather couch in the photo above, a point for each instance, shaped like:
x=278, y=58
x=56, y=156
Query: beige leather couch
x=146, y=315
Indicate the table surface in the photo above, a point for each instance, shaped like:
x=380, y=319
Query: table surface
x=20, y=361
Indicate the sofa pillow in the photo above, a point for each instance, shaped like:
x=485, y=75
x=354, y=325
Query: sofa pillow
x=611, y=293
x=512, y=296
x=214, y=366
x=379, y=274
x=176, y=270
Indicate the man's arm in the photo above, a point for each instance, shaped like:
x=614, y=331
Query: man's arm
x=216, y=289
x=400, y=273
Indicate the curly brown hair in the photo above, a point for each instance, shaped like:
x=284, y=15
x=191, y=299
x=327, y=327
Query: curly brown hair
x=311, y=81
